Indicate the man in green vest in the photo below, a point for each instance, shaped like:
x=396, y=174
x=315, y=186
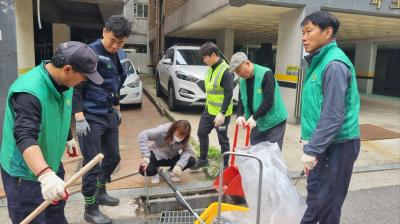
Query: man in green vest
x=219, y=91
x=260, y=103
x=36, y=130
x=329, y=119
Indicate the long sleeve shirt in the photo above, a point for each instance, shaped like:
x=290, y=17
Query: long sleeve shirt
x=227, y=84
x=154, y=140
x=28, y=118
x=268, y=88
x=335, y=82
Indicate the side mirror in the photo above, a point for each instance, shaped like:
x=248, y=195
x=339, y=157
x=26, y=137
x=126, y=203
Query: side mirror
x=166, y=61
x=138, y=71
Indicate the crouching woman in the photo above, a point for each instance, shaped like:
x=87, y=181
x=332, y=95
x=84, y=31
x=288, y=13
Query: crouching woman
x=166, y=145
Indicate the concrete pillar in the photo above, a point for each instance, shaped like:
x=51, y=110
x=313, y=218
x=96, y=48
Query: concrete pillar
x=8, y=54
x=225, y=42
x=25, y=39
x=61, y=34
x=288, y=58
x=365, y=66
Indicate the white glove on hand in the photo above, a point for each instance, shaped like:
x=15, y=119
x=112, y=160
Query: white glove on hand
x=251, y=122
x=219, y=119
x=145, y=161
x=177, y=171
x=52, y=186
x=309, y=161
x=241, y=122
x=71, y=144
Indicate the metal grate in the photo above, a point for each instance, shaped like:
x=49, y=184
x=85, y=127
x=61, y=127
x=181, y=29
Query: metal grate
x=178, y=217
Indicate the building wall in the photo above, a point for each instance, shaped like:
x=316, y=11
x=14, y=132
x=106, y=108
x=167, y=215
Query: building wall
x=173, y=5
x=8, y=54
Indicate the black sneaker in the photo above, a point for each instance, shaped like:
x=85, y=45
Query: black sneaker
x=199, y=164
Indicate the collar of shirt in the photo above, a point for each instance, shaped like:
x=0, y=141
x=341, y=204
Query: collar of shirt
x=310, y=56
x=214, y=66
x=59, y=88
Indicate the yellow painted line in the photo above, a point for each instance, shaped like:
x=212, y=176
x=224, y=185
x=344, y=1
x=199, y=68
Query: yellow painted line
x=366, y=74
x=286, y=78
x=22, y=71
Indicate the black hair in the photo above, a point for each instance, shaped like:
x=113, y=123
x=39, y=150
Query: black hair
x=119, y=25
x=323, y=20
x=208, y=48
x=59, y=61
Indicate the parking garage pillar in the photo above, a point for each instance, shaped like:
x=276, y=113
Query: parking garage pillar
x=365, y=66
x=8, y=53
x=25, y=39
x=288, y=59
x=225, y=42
x=61, y=34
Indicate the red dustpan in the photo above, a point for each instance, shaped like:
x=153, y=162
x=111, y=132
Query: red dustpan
x=232, y=182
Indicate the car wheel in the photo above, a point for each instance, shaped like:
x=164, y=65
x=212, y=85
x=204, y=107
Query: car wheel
x=158, y=86
x=171, y=98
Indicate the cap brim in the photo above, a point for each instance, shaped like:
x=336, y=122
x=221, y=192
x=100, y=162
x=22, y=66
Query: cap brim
x=95, y=77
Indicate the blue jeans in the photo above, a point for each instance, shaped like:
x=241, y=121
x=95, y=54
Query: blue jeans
x=24, y=196
x=328, y=183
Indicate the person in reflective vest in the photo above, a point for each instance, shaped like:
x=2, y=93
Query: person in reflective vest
x=216, y=115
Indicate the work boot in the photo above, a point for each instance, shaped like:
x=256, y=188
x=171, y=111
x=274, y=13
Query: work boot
x=199, y=164
x=94, y=215
x=103, y=198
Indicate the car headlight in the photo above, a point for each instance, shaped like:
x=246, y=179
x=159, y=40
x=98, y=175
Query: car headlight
x=134, y=84
x=186, y=77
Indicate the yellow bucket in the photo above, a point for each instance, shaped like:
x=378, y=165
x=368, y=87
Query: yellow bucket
x=212, y=211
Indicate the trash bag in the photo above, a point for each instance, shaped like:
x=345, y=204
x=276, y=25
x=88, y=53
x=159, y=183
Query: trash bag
x=280, y=202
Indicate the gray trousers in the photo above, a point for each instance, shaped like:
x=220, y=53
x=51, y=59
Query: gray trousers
x=274, y=134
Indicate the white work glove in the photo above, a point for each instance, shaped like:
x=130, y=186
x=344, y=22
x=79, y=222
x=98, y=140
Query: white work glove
x=52, y=186
x=177, y=171
x=71, y=148
x=82, y=127
x=219, y=119
x=145, y=162
x=251, y=122
x=309, y=162
x=241, y=122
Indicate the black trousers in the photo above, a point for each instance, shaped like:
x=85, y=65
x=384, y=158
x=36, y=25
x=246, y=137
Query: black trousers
x=328, y=183
x=154, y=164
x=205, y=126
x=24, y=196
x=274, y=134
x=103, y=138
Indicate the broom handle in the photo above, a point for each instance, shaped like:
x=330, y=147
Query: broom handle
x=74, y=178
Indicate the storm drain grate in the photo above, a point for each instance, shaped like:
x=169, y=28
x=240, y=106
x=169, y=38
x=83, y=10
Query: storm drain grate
x=178, y=217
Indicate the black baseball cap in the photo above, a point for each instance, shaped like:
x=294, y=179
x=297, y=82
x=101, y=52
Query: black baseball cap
x=82, y=58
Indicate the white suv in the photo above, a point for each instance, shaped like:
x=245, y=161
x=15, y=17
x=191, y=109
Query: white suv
x=180, y=75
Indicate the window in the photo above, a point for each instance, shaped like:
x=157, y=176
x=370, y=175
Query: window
x=188, y=57
x=140, y=10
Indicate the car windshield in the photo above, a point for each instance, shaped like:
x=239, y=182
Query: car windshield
x=129, y=68
x=188, y=57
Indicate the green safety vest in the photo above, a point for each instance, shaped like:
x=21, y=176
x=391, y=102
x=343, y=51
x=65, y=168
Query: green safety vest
x=54, y=127
x=214, y=91
x=276, y=114
x=312, y=97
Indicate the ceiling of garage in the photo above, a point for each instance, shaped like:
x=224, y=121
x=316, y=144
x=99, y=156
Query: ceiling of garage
x=255, y=24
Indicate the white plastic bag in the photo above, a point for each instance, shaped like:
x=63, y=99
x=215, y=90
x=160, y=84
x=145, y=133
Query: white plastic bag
x=280, y=202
